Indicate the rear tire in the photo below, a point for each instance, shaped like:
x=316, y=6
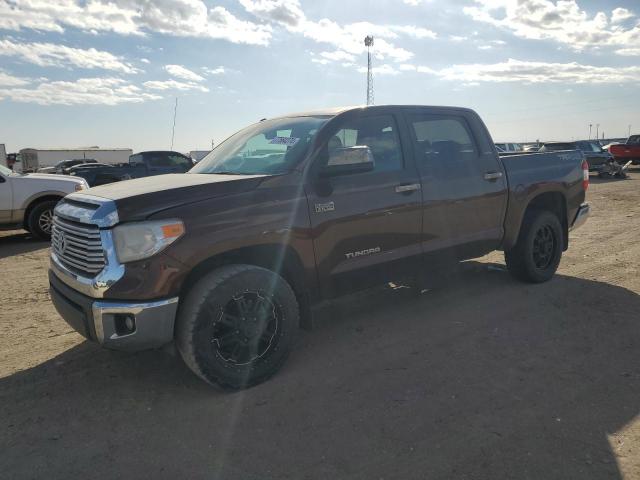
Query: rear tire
x=40, y=219
x=237, y=326
x=536, y=256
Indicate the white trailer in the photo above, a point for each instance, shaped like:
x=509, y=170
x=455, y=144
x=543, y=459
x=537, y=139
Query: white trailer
x=3, y=155
x=34, y=158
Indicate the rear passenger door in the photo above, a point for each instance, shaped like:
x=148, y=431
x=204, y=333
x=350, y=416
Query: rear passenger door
x=463, y=183
x=366, y=226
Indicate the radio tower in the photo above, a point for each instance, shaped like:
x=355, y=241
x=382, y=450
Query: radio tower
x=368, y=41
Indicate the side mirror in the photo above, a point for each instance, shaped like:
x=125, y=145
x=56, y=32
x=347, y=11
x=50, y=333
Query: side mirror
x=349, y=161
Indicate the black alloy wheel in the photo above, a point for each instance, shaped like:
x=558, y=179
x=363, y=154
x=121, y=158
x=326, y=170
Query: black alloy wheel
x=544, y=244
x=246, y=328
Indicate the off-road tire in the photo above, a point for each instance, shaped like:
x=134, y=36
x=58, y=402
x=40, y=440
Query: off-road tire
x=522, y=260
x=200, y=315
x=40, y=214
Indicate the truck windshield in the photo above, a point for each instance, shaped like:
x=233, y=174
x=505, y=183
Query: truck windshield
x=267, y=148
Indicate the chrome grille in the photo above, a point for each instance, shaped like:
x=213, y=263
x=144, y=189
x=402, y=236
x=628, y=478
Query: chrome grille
x=78, y=246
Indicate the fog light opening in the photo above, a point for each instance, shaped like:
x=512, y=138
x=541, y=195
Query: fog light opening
x=125, y=324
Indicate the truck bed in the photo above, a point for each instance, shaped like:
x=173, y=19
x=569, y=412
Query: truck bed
x=532, y=174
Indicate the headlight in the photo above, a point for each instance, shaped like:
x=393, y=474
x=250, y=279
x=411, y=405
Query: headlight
x=80, y=186
x=135, y=241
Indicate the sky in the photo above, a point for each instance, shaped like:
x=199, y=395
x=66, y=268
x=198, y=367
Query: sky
x=77, y=73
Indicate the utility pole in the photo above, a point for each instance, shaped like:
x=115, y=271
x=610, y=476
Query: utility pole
x=173, y=130
x=597, y=131
x=590, y=127
x=629, y=131
x=368, y=41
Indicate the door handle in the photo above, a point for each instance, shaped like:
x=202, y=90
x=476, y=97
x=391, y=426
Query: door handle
x=408, y=188
x=491, y=176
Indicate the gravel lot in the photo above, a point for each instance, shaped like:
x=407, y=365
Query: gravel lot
x=484, y=378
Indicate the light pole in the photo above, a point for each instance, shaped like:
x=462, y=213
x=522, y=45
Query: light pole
x=629, y=131
x=597, y=131
x=590, y=127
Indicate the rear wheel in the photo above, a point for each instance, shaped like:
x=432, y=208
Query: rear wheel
x=536, y=256
x=237, y=326
x=40, y=221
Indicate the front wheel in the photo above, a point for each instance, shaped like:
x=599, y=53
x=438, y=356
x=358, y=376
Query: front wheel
x=40, y=221
x=536, y=256
x=237, y=326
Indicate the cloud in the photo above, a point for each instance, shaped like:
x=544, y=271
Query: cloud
x=348, y=38
x=184, y=73
x=562, y=21
x=183, y=18
x=620, y=15
x=338, y=56
x=384, y=69
x=629, y=51
x=535, y=72
x=7, y=80
x=54, y=55
x=214, y=71
x=174, y=85
x=84, y=91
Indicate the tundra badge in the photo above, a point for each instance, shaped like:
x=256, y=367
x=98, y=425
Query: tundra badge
x=363, y=253
x=325, y=207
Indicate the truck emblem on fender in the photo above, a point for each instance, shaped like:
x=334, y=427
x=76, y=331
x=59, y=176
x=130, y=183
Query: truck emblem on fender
x=325, y=207
x=363, y=253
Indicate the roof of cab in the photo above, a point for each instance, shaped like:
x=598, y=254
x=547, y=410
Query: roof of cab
x=332, y=112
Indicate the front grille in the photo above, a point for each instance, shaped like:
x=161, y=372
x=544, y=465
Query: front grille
x=78, y=246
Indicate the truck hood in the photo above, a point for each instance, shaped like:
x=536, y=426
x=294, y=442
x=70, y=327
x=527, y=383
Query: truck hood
x=47, y=182
x=139, y=198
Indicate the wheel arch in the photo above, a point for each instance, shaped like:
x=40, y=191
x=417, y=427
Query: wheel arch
x=34, y=201
x=552, y=201
x=280, y=259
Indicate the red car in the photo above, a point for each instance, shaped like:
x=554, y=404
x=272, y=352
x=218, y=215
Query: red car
x=627, y=151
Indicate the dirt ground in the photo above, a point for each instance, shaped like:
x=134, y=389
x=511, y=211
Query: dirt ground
x=484, y=378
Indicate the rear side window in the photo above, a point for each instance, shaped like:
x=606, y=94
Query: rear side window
x=439, y=137
x=180, y=161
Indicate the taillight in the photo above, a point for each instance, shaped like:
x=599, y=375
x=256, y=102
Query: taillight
x=585, y=175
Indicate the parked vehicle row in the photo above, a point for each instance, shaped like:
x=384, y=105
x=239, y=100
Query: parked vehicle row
x=508, y=147
x=143, y=164
x=228, y=259
x=63, y=166
x=596, y=156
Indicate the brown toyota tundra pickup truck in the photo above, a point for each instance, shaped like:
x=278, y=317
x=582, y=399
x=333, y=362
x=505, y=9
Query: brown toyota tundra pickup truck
x=228, y=259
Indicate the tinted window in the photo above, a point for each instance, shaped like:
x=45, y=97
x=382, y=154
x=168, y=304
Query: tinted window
x=634, y=139
x=442, y=137
x=554, y=147
x=180, y=161
x=379, y=133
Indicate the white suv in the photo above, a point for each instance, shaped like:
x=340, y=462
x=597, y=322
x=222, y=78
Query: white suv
x=27, y=201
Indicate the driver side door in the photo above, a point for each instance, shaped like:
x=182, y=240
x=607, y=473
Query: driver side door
x=366, y=227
